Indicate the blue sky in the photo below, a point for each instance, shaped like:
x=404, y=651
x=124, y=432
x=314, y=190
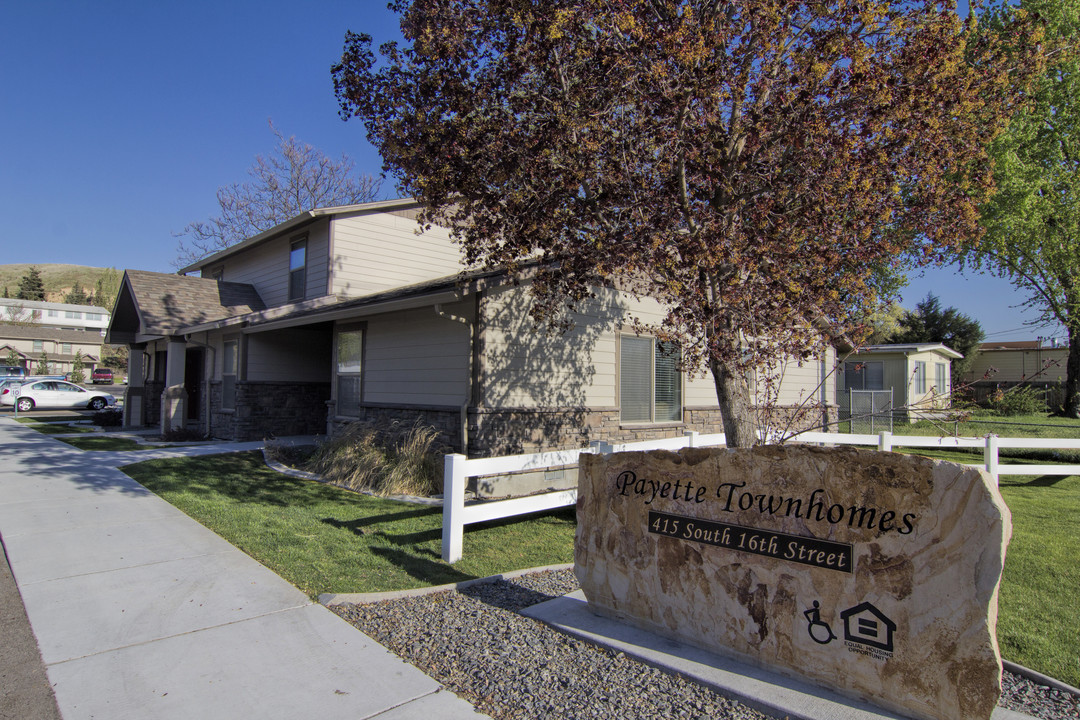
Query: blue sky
x=121, y=119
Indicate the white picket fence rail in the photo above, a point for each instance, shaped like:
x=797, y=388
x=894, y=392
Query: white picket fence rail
x=457, y=470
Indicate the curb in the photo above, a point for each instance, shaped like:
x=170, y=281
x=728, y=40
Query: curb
x=1039, y=678
x=329, y=599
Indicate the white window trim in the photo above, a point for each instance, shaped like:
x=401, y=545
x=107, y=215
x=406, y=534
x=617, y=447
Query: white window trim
x=652, y=387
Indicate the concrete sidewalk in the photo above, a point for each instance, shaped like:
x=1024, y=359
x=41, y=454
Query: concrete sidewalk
x=141, y=612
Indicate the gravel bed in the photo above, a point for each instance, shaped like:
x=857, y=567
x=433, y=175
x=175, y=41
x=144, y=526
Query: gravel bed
x=476, y=644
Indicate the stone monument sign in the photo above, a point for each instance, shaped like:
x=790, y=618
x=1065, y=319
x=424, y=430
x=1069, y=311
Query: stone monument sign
x=875, y=574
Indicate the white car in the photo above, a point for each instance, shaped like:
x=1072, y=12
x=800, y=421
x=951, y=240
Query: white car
x=54, y=394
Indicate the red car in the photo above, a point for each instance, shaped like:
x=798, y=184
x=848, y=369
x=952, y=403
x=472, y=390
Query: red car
x=102, y=376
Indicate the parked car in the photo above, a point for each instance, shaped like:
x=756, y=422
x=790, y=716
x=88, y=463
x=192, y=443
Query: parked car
x=12, y=371
x=54, y=394
x=102, y=376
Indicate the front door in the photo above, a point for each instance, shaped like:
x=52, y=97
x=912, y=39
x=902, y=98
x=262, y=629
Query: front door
x=193, y=381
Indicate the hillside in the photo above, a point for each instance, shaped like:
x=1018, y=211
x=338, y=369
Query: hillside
x=60, y=279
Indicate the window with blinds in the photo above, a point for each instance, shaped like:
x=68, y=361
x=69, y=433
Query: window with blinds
x=350, y=352
x=650, y=383
x=229, y=365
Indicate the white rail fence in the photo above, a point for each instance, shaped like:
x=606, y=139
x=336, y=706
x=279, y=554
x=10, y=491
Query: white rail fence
x=457, y=470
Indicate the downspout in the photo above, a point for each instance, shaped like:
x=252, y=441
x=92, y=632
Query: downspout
x=206, y=379
x=464, y=410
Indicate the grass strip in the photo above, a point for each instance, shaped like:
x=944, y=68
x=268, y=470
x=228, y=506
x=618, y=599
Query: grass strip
x=325, y=539
x=60, y=429
x=105, y=444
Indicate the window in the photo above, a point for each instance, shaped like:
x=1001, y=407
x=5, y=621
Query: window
x=861, y=375
x=54, y=313
x=650, y=384
x=941, y=382
x=217, y=273
x=39, y=345
x=72, y=315
x=93, y=316
x=350, y=353
x=65, y=348
x=298, y=270
x=229, y=364
x=918, y=378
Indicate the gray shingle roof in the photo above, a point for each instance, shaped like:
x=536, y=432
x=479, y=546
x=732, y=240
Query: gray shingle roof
x=43, y=332
x=166, y=303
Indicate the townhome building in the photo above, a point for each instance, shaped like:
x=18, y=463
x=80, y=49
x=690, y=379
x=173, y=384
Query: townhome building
x=360, y=314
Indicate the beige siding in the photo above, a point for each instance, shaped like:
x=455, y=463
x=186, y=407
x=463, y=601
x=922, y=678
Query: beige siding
x=267, y=265
x=417, y=358
x=805, y=383
x=1010, y=366
x=380, y=251
x=525, y=367
x=294, y=355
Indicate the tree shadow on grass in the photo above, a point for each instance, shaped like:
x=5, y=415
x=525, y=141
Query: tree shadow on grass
x=1046, y=480
x=430, y=572
x=357, y=526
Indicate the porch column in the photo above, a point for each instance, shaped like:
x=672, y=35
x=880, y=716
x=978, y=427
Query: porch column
x=174, y=398
x=135, y=395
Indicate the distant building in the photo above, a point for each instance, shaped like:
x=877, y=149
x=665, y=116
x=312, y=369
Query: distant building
x=29, y=329
x=57, y=315
x=1001, y=365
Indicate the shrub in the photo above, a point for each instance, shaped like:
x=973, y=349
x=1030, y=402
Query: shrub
x=1019, y=400
x=384, y=461
x=109, y=417
x=294, y=456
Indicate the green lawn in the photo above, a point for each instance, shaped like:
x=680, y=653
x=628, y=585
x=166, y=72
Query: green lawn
x=325, y=539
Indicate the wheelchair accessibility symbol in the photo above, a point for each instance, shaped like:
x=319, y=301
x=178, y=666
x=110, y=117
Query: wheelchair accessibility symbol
x=819, y=630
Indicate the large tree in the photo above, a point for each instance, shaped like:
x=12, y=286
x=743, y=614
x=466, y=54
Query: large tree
x=754, y=165
x=929, y=322
x=31, y=285
x=1033, y=222
x=296, y=178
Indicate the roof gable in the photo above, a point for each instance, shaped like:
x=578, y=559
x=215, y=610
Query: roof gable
x=160, y=304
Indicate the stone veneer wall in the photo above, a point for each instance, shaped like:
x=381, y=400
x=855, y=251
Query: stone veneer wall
x=266, y=409
x=518, y=431
x=446, y=421
x=152, y=402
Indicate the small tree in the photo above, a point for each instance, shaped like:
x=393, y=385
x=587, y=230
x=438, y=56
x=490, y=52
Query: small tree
x=297, y=178
x=76, y=296
x=31, y=286
x=42, y=367
x=12, y=357
x=106, y=289
x=77, y=368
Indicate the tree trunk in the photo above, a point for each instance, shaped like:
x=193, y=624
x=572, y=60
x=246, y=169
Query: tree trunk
x=1072, y=376
x=733, y=394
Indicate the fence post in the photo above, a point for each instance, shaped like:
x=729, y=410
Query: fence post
x=990, y=456
x=453, y=527
x=884, y=443
x=601, y=447
x=691, y=438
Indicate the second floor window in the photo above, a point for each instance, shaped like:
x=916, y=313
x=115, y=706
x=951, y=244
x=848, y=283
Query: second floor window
x=66, y=348
x=39, y=345
x=298, y=270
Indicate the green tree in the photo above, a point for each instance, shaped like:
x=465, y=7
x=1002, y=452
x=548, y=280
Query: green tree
x=31, y=286
x=297, y=178
x=42, y=367
x=76, y=296
x=1033, y=222
x=106, y=289
x=752, y=165
x=12, y=357
x=77, y=367
x=931, y=323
